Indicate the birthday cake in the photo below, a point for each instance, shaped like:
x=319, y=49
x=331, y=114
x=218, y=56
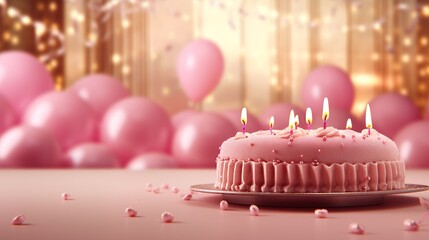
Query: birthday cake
x=317, y=161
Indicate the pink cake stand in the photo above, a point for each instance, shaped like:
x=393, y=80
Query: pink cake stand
x=335, y=199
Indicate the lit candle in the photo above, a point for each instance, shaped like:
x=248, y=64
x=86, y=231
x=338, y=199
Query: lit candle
x=291, y=121
x=308, y=118
x=296, y=121
x=325, y=114
x=368, y=119
x=271, y=124
x=244, y=119
x=349, y=124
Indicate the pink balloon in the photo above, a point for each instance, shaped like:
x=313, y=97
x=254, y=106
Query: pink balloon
x=234, y=116
x=8, y=117
x=196, y=142
x=22, y=79
x=25, y=146
x=199, y=68
x=391, y=112
x=331, y=82
x=68, y=118
x=152, y=160
x=100, y=91
x=337, y=118
x=281, y=112
x=135, y=125
x=413, y=144
x=180, y=117
x=92, y=155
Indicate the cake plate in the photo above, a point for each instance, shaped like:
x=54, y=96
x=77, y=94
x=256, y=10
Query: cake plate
x=335, y=199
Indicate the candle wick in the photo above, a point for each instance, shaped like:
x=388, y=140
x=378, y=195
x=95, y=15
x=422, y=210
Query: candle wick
x=324, y=123
x=244, y=129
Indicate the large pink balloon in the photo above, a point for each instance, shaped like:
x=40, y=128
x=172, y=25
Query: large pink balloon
x=100, y=91
x=413, y=144
x=196, y=143
x=8, y=116
x=391, y=112
x=234, y=116
x=199, y=68
x=281, y=112
x=152, y=160
x=22, y=79
x=180, y=117
x=337, y=118
x=331, y=82
x=135, y=125
x=67, y=117
x=25, y=146
x=92, y=155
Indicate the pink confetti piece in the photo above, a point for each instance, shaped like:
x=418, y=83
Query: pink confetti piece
x=66, y=196
x=175, y=190
x=321, y=213
x=18, y=220
x=223, y=205
x=131, y=212
x=155, y=190
x=356, y=228
x=167, y=217
x=187, y=197
x=165, y=186
x=411, y=225
x=254, y=210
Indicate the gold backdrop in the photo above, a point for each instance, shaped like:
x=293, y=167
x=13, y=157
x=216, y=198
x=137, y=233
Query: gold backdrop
x=269, y=46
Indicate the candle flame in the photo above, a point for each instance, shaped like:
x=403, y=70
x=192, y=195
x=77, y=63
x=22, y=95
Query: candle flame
x=309, y=116
x=325, y=114
x=291, y=119
x=271, y=124
x=244, y=116
x=296, y=119
x=349, y=124
x=368, y=119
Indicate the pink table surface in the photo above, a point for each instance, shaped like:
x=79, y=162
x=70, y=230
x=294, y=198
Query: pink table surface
x=101, y=196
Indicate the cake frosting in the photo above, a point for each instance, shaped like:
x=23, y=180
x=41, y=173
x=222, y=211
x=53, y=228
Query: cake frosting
x=319, y=160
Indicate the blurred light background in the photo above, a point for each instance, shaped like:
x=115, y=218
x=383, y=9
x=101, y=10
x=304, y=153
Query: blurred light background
x=269, y=46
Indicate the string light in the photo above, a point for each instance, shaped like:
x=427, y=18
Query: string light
x=116, y=58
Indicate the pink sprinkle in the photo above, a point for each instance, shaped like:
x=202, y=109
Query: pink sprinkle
x=319, y=150
x=302, y=156
x=167, y=217
x=275, y=151
x=321, y=213
x=175, y=190
x=343, y=136
x=131, y=212
x=411, y=225
x=252, y=144
x=356, y=228
x=18, y=220
x=324, y=138
x=66, y=196
x=165, y=186
x=187, y=197
x=254, y=210
x=223, y=205
x=155, y=190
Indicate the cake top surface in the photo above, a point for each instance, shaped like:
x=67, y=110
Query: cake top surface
x=320, y=145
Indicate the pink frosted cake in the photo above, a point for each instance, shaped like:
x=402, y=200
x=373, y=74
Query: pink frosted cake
x=320, y=160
